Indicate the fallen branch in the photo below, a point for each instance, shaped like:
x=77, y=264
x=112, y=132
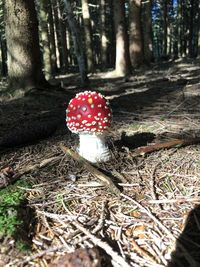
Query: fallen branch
x=101, y=176
x=169, y=144
x=7, y=177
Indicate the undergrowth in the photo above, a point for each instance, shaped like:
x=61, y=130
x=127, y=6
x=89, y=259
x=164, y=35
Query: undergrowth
x=11, y=201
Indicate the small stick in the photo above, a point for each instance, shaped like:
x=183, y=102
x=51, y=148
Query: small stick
x=101, y=176
x=175, y=200
x=169, y=144
x=142, y=252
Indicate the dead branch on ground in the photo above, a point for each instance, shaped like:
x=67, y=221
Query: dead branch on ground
x=101, y=176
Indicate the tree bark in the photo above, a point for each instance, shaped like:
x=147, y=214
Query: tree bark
x=24, y=58
x=147, y=31
x=135, y=35
x=122, y=61
x=88, y=35
x=191, y=29
x=44, y=35
x=103, y=37
x=77, y=41
x=53, y=53
x=165, y=27
x=62, y=30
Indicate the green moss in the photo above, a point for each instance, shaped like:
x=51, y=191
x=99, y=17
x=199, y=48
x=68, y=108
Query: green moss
x=22, y=246
x=11, y=198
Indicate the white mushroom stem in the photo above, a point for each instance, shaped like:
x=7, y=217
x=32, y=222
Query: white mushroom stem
x=93, y=147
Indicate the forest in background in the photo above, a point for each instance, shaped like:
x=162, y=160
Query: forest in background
x=92, y=36
x=143, y=56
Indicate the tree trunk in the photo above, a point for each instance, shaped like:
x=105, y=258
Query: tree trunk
x=198, y=53
x=62, y=30
x=103, y=37
x=191, y=29
x=44, y=35
x=88, y=35
x=77, y=41
x=147, y=31
x=24, y=58
x=4, y=70
x=165, y=27
x=135, y=35
x=53, y=54
x=58, y=41
x=122, y=61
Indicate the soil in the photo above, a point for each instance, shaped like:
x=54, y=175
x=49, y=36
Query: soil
x=155, y=219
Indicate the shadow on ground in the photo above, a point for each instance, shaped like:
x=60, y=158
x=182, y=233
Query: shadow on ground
x=187, y=249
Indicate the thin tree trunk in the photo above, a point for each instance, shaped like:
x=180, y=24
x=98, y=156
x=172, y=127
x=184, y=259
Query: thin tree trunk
x=122, y=62
x=58, y=41
x=44, y=33
x=147, y=31
x=198, y=31
x=104, y=39
x=24, y=58
x=77, y=41
x=62, y=29
x=191, y=29
x=88, y=35
x=53, y=55
x=135, y=34
x=4, y=69
x=165, y=26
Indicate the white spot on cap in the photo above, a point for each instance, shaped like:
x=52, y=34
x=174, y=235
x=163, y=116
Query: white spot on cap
x=92, y=106
x=84, y=108
x=99, y=106
x=77, y=124
x=94, y=123
x=79, y=116
x=99, y=114
x=84, y=122
x=89, y=116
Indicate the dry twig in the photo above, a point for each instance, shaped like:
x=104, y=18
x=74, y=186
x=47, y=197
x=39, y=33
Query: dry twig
x=104, y=178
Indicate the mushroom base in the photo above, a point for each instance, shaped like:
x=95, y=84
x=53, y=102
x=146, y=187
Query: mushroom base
x=93, y=148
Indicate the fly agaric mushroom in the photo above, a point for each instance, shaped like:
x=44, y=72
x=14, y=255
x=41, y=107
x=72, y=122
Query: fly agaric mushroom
x=89, y=115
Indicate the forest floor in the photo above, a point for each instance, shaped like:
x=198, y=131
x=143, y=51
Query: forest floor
x=154, y=221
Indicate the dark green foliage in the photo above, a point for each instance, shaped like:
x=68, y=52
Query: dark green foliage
x=11, y=198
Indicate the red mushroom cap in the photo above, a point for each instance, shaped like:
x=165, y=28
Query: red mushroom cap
x=88, y=112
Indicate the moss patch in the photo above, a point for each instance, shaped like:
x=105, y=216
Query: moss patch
x=11, y=201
